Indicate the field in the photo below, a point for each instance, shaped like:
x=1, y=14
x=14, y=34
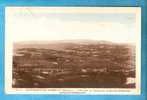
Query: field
x=73, y=64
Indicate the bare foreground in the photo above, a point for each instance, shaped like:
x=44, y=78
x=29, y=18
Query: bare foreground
x=73, y=64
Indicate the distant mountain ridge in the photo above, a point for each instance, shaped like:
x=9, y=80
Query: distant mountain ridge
x=60, y=44
x=74, y=41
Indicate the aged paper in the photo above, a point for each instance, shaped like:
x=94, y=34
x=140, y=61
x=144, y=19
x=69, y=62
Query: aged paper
x=73, y=50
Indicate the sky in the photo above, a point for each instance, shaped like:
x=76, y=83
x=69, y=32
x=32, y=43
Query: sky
x=29, y=25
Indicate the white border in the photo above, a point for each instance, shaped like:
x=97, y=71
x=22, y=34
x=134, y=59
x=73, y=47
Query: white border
x=90, y=91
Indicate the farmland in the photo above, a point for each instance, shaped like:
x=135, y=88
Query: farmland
x=70, y=64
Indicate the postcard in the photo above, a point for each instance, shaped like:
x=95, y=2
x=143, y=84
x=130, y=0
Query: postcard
x=73, y=50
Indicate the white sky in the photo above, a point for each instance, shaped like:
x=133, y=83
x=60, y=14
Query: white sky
x=29, y=25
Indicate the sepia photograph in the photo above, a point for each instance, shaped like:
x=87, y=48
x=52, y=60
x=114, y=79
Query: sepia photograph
x=71, y=50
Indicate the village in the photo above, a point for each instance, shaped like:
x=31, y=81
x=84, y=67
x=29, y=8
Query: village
x=74, y=66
